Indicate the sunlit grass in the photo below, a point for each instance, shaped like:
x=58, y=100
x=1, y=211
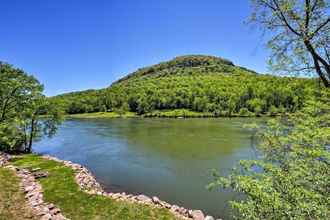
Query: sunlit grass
x=102, y=115
x=61, y=189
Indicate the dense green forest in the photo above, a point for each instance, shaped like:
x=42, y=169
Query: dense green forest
x=207, y=84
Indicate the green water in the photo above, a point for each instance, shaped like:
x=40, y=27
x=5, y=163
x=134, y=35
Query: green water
x=168, y=158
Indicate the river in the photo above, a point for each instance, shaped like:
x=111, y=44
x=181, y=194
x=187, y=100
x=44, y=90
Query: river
x=169, y=158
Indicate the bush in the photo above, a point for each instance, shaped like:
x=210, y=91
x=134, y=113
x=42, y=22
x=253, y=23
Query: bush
x=245, y=112
x=291, y=180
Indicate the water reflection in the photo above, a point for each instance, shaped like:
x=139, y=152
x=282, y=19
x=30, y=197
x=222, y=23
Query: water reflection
x=170, y=158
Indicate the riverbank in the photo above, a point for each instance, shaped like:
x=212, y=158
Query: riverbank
x=101, y=115
x=177, y=113
x=89, y=201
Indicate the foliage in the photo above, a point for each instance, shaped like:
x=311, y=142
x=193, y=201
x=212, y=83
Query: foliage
x=61, y=189
x=299, y=33
x=195, y=83
x=291, y=179
x=21, y=106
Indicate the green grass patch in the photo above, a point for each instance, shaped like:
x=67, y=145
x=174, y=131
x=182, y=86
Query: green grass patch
x=13, y=205
x=102, y=115
x=176, y=113
x=61, y=189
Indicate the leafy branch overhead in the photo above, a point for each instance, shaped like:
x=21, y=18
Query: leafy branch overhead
x=300, y=35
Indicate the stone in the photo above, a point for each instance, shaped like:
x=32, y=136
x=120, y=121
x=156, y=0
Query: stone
x=116, y=195
x=156, y=200
x=40, y=174
x=50, y=206
x=55, y=211
x=209, y=218
x=28, y=188
x=197, y=215
x=175, y=208
x=46, y=217
x=183, y=211
x=143, y=198
x=166, y=205
x=35, y=169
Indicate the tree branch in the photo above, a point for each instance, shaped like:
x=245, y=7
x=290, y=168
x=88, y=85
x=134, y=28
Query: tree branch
x=307, y=12
x=319, y=28
x=282, y=16
x=327, y=54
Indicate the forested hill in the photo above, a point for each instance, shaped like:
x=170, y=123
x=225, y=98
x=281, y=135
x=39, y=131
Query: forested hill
x=196, y=63
x=208, y=84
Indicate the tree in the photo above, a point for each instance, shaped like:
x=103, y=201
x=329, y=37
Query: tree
x=300, y=31
x=256, y=105
x=23, y=109
x=291, y=178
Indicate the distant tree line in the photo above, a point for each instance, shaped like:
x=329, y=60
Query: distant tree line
x=223, y=94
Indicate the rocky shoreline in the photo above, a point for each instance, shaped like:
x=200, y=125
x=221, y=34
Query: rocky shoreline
x=88, y=184
x=33, y=191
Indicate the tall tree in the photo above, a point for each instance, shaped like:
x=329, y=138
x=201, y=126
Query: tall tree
x=300, y=35
x=22, y=110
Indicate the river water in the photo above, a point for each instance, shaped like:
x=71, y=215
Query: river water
x=169, y=158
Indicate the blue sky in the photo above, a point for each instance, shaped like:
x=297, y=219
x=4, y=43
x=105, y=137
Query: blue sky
x=72, y=45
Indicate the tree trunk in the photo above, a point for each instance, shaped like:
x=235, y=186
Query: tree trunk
x=325, y=77
x=32, y=130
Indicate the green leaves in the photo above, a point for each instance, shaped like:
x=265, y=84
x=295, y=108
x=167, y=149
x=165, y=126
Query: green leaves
x=21, y=106
x=196, y=89
x=298, y=34
x=291, y=179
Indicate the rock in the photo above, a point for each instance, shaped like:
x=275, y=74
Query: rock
x=116, y=195
x=175, y=208
x=144, y=198
x=46, y=217
x=166, y=205
x=197, y=215
x=209, y=218
x=35, y=169
x=55, y=211
x=28, y=188
x=156, y=200
x=40, y=174
x=183, y=211
x=50, y=206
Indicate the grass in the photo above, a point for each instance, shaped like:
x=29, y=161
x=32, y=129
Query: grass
x=102, y=115
x=13, y=205
x=61, y=189
x=176, y=113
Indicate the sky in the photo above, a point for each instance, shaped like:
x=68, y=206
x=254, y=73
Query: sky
x=72, y=45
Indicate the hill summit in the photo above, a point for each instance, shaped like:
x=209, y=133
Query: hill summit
x=200, y=63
